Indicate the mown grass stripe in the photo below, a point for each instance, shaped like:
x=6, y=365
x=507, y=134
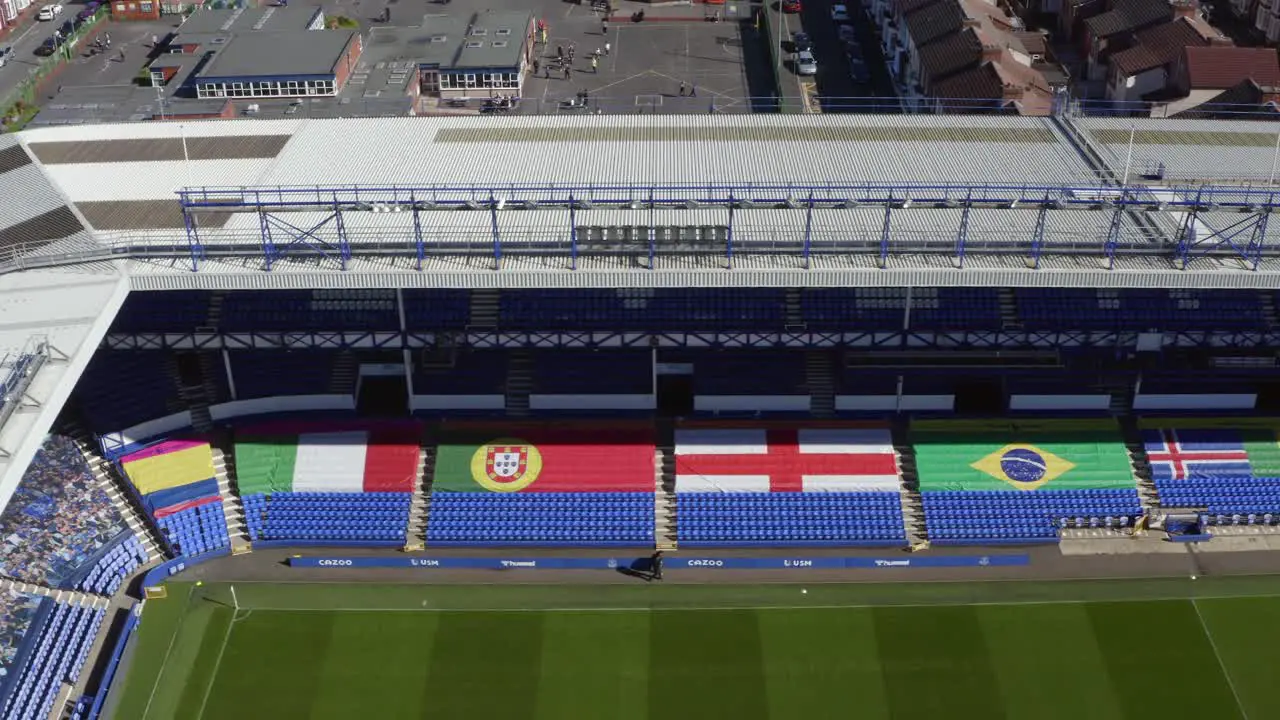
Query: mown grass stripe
x=706, y=666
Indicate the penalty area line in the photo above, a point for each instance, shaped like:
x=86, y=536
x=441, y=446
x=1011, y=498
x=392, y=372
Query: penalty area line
x=1218, y=656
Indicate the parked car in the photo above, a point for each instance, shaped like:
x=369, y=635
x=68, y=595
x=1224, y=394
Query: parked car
x=806, y=64
x=840, y=13
x=49, y=46
x=5, y=54
x=801, y=42
x=49, y=12
x=790, y=6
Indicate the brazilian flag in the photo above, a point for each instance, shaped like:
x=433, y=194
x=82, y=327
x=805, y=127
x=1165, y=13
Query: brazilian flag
x=1023, y=457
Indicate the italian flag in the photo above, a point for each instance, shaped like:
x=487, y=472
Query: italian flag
x=561, y=457
x=831, y=459
x=379, y=458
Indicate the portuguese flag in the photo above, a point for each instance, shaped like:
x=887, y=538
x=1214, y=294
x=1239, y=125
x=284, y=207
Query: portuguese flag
x=1022, y=457
x=545, y=458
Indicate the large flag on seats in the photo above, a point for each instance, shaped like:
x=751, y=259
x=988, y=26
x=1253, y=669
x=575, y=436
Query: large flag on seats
x=793, y=459
x=545, y=458
x=1182, y=453
x=334, y=459
x=1004, y=455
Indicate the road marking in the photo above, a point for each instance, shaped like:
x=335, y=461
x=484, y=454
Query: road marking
x=1218, y=656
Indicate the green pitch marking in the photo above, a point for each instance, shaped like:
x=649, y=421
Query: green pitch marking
x=1245, y=633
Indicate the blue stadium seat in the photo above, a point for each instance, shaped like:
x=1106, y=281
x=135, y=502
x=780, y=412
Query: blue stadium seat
x=795, y=519
x=541, y=519
x=335, y=518
x=1009, y=516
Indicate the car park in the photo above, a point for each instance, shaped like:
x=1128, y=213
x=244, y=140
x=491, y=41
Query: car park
x=800, y=41
x=49, y=12
x=806, y=64
x=840, y=13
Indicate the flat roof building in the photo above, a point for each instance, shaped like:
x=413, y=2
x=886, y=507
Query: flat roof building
x=282, y=64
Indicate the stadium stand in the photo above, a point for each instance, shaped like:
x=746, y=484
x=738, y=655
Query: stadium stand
x=750, y=372
x=337, y=482
x=1140, y=309
x=279, y=310
x=1230, y=474
x=57, y=656
x=989, y=482
x=547, y=484
x=437, y=309
x=468, y=372
x=643, y=308
x=108, y=404
x=787, y=486
x=58, y=521
x=593, y=372
x=172, y=311
x=872, y=308
x=17, y=613
x=269, y=373
x=175, y=482
x=118, y=562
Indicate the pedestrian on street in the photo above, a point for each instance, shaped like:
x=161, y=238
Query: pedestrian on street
x=693, y=91
x=608, y=47
x=536, y=65
x=560, y=51
x=568, y=72
x=683, y=89
x=595, y=65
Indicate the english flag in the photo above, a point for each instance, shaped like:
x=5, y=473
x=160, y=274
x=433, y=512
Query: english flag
x=785, y=460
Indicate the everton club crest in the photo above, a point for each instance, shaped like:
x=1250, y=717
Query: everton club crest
x=506, y=465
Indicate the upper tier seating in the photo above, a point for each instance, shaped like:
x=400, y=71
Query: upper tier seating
x=790, y=519
x=58, y=518
x=1233, y=474
x=282, y=310
x=122, y=388
x=175, y=482
x=541, y=519
x=65, y=638
x=428, y=310
x=883, y=309
x=167, y=311
x=1020, y=481
x=643, y=309
x=1139, y=309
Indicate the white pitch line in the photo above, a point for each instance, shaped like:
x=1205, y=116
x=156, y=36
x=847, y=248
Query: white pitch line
x=1217, y=655
x=213, y=676
x=712, y=608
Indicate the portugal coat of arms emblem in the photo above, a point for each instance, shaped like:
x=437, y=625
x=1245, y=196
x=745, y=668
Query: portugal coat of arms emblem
x=506, y=463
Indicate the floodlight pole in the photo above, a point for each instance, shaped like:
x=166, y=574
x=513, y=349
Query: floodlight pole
x=1275, y=158
x=573, y=233
x=808, y=230
x=1128, y=158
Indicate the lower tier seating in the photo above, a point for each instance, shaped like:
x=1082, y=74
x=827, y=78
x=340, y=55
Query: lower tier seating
x=333, y=517
x=58, y=656
x=1227, y=501
x=972, y=517
x=196, y=530
x=540, y=519
x=114, y=566
x=790, y=519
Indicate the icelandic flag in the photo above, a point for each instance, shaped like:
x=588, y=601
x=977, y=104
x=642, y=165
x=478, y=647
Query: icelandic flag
x=1196, y=453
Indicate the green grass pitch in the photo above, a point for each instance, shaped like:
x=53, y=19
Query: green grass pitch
x=953, y=651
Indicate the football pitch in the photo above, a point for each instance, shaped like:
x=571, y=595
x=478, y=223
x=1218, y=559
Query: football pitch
x=1084, y=649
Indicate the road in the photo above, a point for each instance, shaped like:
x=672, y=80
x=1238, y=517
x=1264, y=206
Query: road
x=833, y=83
x=24, y=42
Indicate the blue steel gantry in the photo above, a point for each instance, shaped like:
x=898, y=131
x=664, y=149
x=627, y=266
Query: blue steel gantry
x=1177, y=223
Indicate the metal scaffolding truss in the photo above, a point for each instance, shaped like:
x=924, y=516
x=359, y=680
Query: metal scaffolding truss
x=1167, y=222
x=880, y=340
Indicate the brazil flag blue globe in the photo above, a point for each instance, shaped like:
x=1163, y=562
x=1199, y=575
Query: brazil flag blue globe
x=1021, y=457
